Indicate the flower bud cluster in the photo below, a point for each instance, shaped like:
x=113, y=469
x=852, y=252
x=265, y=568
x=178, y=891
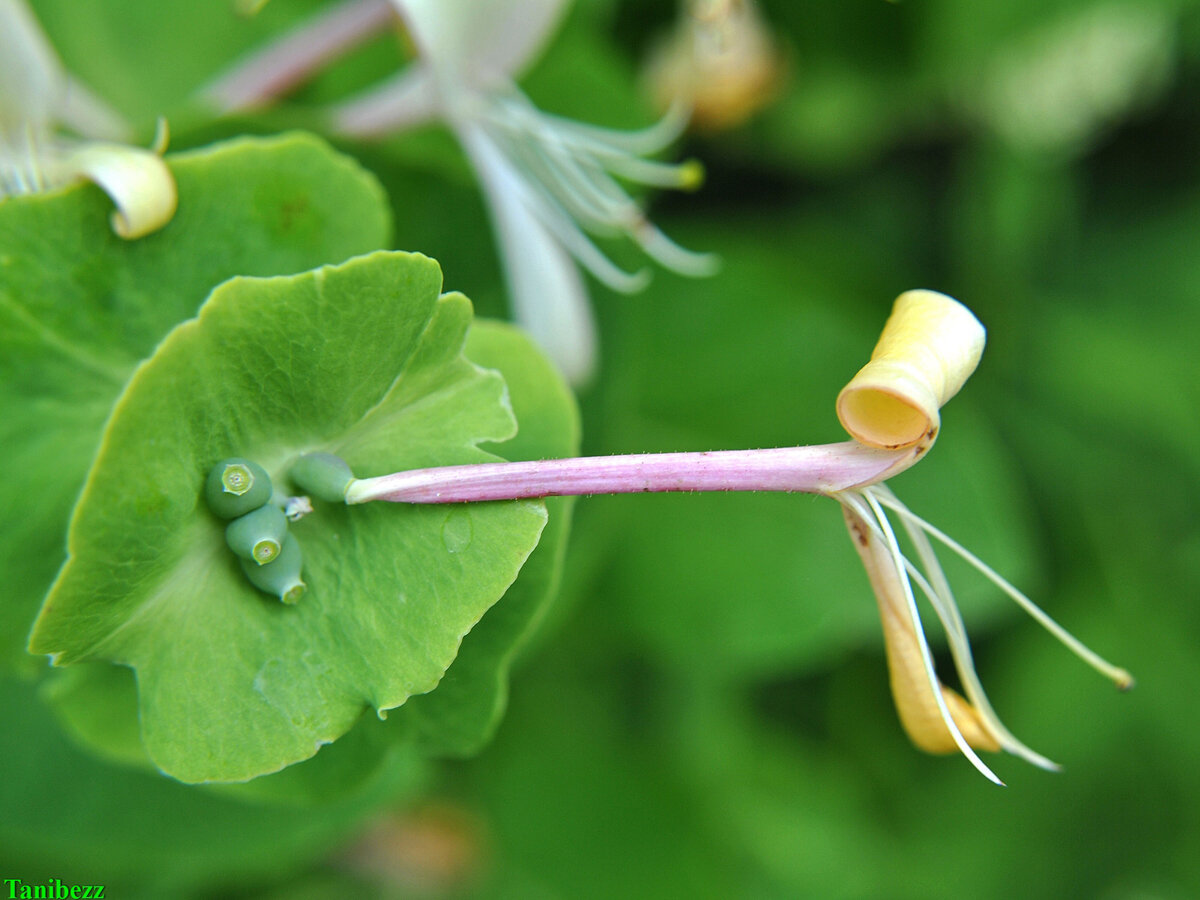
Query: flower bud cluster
x=240, y=490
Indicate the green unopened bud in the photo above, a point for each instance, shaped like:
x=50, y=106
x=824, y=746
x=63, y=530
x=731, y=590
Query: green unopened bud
x=258, y=535
x=322, y=475
x=281, y=576
x=236, y=487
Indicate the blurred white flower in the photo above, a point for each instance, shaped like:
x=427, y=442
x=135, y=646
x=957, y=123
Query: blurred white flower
x=549, y=182
x=1056, y=89
x=36, y=98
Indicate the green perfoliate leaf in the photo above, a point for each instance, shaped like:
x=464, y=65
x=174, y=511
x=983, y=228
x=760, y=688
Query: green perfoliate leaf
x=98, y=703
x=361, y=360
x=80, y=307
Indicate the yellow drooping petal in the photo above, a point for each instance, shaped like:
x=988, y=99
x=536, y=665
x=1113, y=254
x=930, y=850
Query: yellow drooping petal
x=930, y=345
x=912, y=690
x=914, y=699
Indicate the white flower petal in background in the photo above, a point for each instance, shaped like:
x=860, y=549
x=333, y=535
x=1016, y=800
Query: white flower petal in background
x=36, y=97
x=281, y=65
x=548, y=295
x=403, y=101
x=480, y=43
x=31, y=78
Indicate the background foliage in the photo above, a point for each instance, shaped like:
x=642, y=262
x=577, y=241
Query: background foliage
x=705, y=711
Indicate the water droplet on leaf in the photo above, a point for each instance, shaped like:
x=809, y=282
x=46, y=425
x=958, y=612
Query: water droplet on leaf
x=458, y=530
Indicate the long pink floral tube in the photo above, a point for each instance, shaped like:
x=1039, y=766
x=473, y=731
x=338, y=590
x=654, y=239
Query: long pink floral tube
x=822, y=469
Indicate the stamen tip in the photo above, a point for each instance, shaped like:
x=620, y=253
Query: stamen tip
x=691, y=175
x=704, y=265
x=986, y=772
x=1124, y=681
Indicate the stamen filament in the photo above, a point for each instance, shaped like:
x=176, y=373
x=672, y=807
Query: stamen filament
x=684, y=176
x=1120, y=677
x=602, y=141
x=490, y=159
x=937, y=590
x=670, y=255
x=551, y=214
x=564, y=179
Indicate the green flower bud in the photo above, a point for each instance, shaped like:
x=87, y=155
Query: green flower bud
x=236, y=487
x=322, y=475
x=258, y=535
x=281, y=576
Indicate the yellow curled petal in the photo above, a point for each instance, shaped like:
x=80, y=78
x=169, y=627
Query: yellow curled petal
x=930, y=345
x=137, y=180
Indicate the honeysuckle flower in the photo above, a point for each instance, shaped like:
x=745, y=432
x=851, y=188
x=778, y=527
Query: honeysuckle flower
x=928, y=349
x=549, y=182
x=37, y=97
x=720, y=60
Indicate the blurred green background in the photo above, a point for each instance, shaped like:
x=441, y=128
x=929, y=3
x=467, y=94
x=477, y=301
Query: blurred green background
x=706, y=711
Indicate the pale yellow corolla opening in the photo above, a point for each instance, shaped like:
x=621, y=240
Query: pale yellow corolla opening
x=929, y=347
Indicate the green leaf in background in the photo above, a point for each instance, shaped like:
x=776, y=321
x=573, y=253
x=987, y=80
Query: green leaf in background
x=80, y=307
x=64, y=814
x=148, y=59
x=97, y=705
x=362, y=360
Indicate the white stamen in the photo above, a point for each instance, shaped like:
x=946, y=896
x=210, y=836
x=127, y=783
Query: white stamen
x=670, y=255
x=568, y=167
x=684, y=176
x=561, y=174
x=645, y=142
x=550, y=213
x=1120, y=677
x=937, y=590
